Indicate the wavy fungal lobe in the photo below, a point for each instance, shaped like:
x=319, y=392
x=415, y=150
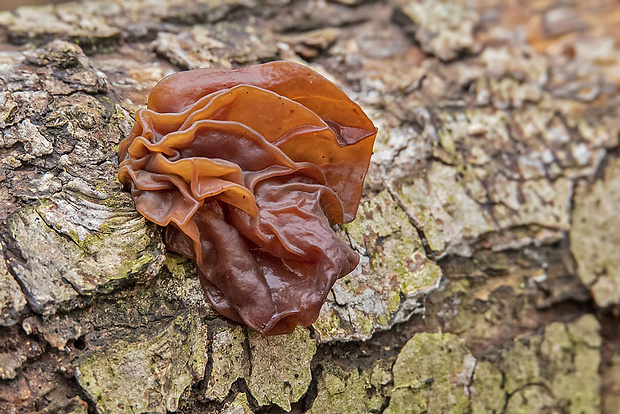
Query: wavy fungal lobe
x=247, y=170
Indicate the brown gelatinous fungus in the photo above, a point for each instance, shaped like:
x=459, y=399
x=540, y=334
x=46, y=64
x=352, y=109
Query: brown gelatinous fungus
x=247, y=170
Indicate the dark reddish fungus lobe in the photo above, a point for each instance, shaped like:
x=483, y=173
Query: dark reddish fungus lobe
x=247, y=170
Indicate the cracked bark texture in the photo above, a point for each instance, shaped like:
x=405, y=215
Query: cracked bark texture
x=488, y=229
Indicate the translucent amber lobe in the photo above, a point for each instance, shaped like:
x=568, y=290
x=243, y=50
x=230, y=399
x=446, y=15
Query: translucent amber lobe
x=247, y=170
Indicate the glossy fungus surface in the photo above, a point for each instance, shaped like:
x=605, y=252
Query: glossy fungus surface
x=247, y=170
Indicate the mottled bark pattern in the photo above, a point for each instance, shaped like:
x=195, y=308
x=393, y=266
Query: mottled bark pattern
x=487, y=230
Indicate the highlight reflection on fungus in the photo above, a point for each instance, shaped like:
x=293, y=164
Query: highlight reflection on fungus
x=247, y=170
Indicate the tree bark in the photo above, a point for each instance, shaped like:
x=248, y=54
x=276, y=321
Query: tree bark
x=488, y=229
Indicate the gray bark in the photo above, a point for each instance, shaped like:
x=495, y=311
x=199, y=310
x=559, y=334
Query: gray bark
x=488, y=229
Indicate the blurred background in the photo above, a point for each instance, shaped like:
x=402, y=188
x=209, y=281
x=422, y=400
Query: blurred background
x=12, y=4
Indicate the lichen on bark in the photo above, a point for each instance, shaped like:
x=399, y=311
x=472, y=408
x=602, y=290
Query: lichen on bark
x=486, y=230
